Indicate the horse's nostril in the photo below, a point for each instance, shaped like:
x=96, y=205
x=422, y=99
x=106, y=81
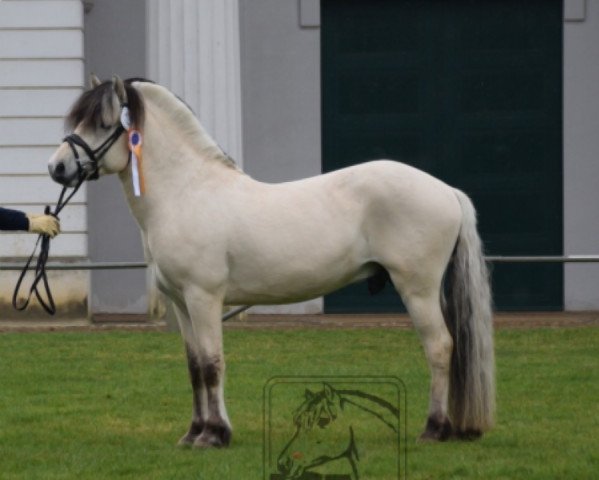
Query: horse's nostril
x=60, y=168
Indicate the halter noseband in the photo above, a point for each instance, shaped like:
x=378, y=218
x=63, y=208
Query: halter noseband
x=94, y=155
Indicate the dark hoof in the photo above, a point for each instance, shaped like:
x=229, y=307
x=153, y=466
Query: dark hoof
x=436, y=431
x=213, y=436
x=468, y=435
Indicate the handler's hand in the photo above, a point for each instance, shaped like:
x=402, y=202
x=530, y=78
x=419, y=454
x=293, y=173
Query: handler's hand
x=45, y=224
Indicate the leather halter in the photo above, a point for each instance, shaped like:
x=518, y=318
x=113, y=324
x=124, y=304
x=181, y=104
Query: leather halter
x=94, y=155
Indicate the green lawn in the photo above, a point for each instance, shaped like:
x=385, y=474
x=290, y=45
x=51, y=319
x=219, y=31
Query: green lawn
x=113, y=405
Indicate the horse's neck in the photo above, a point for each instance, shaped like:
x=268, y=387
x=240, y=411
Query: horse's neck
x=366, y=412
x=378, y=409
x=174, y=161
x=177, y=150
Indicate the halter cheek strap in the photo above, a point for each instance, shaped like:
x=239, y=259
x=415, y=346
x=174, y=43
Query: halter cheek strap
x=94, y=155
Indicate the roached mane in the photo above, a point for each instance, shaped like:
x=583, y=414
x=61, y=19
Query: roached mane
x=87, y=110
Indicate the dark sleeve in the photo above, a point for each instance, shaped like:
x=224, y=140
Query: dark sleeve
x=13, y=220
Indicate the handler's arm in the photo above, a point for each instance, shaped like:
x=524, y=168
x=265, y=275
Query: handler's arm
x=13, y=220
x=17, y=220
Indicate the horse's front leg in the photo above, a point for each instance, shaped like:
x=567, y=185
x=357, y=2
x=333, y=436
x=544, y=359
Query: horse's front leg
x=189, y=338
x=210, y=425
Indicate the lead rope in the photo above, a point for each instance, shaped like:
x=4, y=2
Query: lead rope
x=43, y=241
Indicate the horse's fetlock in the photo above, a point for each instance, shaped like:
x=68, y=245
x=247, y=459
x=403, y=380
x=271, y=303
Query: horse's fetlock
x=216, y=433
x=437, y=429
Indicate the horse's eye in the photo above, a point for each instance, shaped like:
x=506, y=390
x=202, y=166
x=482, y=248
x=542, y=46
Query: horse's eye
x=105, y=127
x=323, y=422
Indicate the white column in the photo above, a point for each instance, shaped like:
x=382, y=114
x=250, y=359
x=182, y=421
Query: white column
x=193, y=49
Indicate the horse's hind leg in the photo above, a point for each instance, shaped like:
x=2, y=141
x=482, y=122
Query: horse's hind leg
x=207, y=361
x=424, y=307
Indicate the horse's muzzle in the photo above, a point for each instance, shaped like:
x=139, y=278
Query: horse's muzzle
x=61, y=174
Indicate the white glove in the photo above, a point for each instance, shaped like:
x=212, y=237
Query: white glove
x=45, y=224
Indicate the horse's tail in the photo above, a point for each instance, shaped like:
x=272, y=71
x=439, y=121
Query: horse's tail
x=469, y=317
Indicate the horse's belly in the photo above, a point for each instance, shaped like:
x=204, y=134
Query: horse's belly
x=294, y=286
x=289, y=268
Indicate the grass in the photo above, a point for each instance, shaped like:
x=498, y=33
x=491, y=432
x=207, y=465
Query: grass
x=113, y=405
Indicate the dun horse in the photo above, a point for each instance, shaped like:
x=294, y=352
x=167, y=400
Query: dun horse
x=216, y=236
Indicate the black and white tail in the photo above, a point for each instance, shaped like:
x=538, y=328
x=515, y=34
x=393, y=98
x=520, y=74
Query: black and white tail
x=469, y=317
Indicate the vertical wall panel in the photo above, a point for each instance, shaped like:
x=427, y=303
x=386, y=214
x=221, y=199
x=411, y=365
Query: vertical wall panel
x=113, y=233
x=581, y=147
x=194, y=51
x=281, y=101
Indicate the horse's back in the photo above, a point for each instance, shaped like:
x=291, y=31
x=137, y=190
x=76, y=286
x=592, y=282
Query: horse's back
x=397, y=179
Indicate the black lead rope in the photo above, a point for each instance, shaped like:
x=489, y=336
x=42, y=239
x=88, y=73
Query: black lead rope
x=43, y=241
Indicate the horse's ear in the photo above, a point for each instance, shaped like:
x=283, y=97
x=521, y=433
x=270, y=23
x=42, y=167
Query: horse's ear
x=94, y=81
x=119, y=89
x=308, y=394
x=329, y=392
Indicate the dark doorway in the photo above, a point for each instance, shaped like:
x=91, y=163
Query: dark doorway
x=471, y=92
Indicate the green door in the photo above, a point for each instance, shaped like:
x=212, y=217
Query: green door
x=471, y=92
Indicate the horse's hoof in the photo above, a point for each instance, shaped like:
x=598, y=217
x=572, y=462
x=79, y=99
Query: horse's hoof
x=213, y=436
x=195, y=429
x=209, y=441
x=187, y=440
x=436, y=431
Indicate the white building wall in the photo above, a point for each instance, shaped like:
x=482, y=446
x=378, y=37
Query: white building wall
x=41, y=73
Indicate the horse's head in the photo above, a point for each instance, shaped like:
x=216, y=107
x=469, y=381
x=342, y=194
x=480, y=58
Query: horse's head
x=322, y=434
x=98, y=142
